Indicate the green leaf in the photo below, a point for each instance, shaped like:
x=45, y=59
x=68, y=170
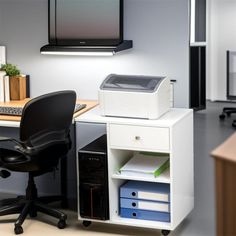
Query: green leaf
x=10, y=69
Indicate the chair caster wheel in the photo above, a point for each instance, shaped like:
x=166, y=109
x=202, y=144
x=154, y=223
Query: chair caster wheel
x=165, y=232
x=222, y=116
x=234, y=124
x=86, y=223
x=61, y=224
x=18, y=230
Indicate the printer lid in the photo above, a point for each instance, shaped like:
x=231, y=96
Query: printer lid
x=132, y=83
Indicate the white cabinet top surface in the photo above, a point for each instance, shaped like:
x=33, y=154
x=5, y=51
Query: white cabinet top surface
x=168, y=119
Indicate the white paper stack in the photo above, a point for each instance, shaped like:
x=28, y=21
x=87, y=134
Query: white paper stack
x=142, y=165
x=2, y=93
x=7, y=88
x=2, y=55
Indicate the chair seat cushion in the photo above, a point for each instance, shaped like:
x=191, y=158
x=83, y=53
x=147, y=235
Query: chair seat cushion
x=13, y=159
x=9, y=156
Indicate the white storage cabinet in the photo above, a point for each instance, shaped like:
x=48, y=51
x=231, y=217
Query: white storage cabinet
x=171, y=134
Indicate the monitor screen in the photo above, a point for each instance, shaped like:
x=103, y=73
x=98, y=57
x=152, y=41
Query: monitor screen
x=86, y=22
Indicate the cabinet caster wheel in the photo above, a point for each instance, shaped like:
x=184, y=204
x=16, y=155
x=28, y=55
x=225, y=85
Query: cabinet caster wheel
x=222, y=116
x=61, y=224
x=165, y=232
x=86, y=223
x=18, y=230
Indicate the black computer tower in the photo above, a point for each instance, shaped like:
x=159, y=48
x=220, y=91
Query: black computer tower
x=93, y=180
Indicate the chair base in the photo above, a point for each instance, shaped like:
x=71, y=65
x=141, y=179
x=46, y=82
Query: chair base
x=227, y=111
x=31, y=205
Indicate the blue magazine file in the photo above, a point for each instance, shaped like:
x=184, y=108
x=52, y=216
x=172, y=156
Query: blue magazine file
x=146, y=190
x=145, y=215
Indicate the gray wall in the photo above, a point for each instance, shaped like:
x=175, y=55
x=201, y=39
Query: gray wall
x=159, y=29
x=0, y=21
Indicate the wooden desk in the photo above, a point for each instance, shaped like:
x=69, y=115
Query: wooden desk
x=89, y=105
x=14, y=121
x=225, y=181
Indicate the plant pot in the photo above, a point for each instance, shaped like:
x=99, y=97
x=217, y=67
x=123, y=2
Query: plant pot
x=17, y=87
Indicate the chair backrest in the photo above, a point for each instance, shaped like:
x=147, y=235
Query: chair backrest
x=47, y=117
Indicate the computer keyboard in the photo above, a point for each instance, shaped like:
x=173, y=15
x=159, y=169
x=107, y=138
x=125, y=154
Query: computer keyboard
x=12, y=111
x=17, y=111
x=79, y=107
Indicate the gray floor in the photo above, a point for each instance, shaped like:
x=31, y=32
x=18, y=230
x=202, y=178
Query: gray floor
x=209, y=133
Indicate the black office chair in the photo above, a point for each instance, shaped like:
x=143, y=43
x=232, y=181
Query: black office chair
x=227, y=111
x=44, y=138
x=230, y=72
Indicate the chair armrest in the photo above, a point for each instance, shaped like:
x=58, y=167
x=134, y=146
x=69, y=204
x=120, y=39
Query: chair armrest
x=9, y=139
x=5, y=139
x=27, y=150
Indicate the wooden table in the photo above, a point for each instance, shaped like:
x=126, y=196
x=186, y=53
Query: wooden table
x=89, y=105
x=225, y=179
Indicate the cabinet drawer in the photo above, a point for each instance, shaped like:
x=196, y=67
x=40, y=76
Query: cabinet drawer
x=139, y=137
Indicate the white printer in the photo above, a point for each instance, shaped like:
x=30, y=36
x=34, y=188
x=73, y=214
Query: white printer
x=146, y=97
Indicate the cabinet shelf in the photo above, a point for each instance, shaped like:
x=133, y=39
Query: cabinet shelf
x=141, y=223
x=163, y=178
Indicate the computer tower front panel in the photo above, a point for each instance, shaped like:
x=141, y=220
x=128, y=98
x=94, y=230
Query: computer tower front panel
x=93, y=181
x=93, y=201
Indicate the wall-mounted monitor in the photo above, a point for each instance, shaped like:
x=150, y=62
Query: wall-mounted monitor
x=85, y=22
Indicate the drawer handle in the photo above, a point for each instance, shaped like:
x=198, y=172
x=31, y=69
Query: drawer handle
x=134, y=204
x=137, y=137
x=133, y=194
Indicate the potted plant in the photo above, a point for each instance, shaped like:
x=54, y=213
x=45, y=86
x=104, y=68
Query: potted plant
x=11, y=70
x=17, y=82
